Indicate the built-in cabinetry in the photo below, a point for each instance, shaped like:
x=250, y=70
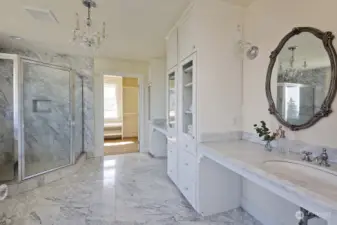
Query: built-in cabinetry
x=182, y=88
x=208, y=85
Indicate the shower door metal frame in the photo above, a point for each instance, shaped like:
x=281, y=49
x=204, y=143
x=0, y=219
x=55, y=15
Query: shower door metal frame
x=16, y=110
x=19, y=93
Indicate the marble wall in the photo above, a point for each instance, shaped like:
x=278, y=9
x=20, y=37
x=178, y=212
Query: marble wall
x=6, y=120
x=47, y=117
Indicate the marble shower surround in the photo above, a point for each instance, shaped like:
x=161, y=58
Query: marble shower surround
x=84, y=69
x=6, y=107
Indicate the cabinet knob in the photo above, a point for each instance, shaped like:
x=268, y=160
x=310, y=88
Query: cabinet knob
x=186, y=188
x=186, y=164
x=193, y=46
x=186, y=146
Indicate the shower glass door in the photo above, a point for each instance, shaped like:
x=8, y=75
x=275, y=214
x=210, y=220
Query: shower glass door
x=8, y=157
x=47, y=116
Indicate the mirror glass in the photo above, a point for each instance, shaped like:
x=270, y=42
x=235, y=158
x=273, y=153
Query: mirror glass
x=303, y=78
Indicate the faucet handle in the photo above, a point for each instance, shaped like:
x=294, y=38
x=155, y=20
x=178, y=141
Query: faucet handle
x=306, y=153
x=306, y=156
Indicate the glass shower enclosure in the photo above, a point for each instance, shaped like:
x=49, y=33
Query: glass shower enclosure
x=40, y=111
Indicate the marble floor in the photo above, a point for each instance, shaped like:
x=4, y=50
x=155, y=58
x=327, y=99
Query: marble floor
x=119, y=146
x=130, y=189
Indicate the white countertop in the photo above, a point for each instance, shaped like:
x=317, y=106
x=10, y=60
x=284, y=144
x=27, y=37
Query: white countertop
x=248, y=160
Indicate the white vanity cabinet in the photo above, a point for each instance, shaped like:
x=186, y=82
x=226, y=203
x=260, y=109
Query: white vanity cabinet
x=172, y=49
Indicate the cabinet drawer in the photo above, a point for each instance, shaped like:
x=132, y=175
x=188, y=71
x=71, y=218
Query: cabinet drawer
x=171, y=145
x=187, y=188
x=189, y=146
x=172, y=162
x=187, y=166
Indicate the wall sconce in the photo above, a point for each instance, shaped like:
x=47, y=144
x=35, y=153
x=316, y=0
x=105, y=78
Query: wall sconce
x=252, y=51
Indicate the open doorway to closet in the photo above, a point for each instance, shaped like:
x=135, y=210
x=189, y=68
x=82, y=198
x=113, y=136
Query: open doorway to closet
x=121, y=115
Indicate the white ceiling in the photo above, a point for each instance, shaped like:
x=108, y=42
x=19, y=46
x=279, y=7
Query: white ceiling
x=136, y=28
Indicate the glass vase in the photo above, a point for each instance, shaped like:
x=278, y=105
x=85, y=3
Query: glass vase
x=268, y=147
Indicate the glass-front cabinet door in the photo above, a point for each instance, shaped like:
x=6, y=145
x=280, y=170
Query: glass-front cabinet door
x=172, y=102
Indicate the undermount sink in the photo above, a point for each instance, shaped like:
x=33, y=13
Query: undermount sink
x=301, y=172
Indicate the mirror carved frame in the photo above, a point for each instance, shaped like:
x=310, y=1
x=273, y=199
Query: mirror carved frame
x=325, y=109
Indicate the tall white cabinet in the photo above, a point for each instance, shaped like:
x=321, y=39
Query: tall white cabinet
x=203, y=52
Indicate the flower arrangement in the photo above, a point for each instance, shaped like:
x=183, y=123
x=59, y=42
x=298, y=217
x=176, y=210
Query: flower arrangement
x=264, y=132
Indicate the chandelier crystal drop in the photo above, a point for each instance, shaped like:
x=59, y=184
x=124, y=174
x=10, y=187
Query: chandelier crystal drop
x=88, y=37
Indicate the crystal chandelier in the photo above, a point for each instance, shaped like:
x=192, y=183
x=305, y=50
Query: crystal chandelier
x=292, y=71
x=88, y=38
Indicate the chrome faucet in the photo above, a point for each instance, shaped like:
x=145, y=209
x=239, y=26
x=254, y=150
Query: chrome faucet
x=323, y=158
x=307, y=156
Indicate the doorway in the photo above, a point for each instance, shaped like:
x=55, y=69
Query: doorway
x=121, y=115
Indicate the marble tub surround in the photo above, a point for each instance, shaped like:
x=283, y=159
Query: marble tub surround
x=125, y=190
x=295, y=146
x=248, y=160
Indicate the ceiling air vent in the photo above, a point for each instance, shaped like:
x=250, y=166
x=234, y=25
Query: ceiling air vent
x=42, y=15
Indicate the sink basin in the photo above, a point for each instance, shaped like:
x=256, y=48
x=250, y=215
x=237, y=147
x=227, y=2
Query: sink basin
x=303, y=174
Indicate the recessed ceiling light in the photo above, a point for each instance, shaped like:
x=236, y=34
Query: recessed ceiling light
x=15, y=37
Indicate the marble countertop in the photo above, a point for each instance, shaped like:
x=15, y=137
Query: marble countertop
x=248, y=160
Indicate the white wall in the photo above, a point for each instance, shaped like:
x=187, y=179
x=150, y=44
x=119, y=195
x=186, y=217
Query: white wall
x=265, y=23
x=116, y=67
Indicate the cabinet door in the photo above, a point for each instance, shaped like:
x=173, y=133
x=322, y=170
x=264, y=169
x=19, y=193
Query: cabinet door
x=172, y=161
x=186, y=40
x=187, y=98
x=172, y=102
x=172, y=50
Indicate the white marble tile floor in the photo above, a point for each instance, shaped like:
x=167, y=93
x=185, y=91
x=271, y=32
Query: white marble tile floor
x=130, y=189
